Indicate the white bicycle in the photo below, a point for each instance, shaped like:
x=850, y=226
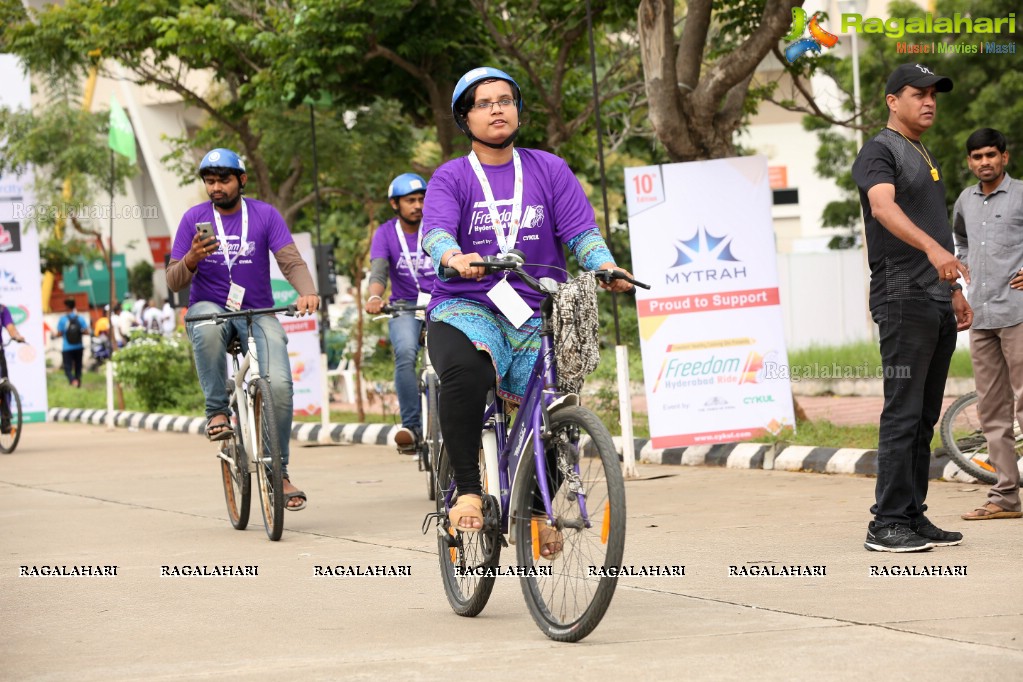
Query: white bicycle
x=255, y=444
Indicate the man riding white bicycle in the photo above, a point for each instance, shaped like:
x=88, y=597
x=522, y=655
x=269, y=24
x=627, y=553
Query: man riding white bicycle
x=222, y=248
x=397, y=250
x=496, y=199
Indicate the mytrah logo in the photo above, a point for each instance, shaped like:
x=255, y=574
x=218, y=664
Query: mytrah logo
x=819, y=38
x=704, y=257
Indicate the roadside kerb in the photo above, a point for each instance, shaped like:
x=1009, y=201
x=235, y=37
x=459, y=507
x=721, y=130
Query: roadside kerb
x=777, y=456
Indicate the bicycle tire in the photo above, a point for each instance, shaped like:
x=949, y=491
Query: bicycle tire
x=269, y=475
x=570, y=602
x=432, y=440
x=473, y=553
x=234, y=472
x=10, y=437
x=964, y=440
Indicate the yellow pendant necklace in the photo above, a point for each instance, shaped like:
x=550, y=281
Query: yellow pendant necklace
x=921, y=150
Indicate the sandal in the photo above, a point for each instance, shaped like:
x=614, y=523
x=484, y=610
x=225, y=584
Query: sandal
x=470, y=507
x=991, y=511
x=289, y=496
x=219, y=430
x=548, y=538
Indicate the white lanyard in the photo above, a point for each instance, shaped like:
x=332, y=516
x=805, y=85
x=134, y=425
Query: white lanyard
x=505, y=241
x=412, y=266
x=222, y=236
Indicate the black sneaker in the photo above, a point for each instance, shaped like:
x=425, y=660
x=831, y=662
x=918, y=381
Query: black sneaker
x=938, y=537
x=895, y=538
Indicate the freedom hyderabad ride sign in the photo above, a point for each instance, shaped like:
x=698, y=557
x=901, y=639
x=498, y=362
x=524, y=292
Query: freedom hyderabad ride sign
x=711, y=324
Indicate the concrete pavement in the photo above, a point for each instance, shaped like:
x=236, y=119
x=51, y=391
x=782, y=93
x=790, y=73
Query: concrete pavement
x=76, y=494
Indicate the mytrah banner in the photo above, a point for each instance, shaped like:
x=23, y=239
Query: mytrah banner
x=303, y=334
x=20, y=279
x=711, y=329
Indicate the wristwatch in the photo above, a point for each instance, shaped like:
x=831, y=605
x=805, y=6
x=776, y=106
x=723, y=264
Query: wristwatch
x=956, y=286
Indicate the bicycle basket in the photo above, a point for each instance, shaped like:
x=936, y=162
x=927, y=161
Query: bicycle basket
x=576, y=331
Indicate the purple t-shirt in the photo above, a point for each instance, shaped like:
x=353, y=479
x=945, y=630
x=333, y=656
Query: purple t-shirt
x=5, y=317
x=250, y=269
x=385, y=245
x=554, y=210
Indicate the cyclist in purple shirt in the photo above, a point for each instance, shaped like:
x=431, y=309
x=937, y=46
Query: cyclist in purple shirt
x=397, y=250
x=230, y=270
x=6, y=322
x=496, y=199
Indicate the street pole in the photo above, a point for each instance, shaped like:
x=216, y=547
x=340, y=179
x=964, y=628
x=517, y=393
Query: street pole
x=324, y=436
x=110, y=304
x=621, y=350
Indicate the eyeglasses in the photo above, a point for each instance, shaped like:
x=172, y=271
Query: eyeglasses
x=488, y=106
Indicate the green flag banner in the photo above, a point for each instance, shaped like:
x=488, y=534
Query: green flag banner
x=122, y=137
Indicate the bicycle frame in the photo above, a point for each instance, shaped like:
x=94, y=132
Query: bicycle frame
x=241, y=401
x=503, y=454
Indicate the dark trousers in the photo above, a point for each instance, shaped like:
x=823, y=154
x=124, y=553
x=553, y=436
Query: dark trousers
x=73, y=365
x=466, y=375
x=917, y=341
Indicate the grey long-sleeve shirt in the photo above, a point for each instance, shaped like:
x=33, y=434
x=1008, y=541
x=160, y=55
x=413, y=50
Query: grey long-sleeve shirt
x=988, y=232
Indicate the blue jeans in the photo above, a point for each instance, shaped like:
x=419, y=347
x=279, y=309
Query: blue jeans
x=405, y=330
x=917, y=341
x=209, y=341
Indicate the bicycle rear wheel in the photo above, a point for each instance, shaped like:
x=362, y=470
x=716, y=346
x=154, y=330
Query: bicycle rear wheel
x=10, y=434
x=588, y=503
x=431, y=435
x=963, y=438
x=234, y=470
x=466, y=558
x=268, y=447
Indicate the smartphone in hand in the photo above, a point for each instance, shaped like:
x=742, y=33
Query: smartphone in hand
x=205, y=230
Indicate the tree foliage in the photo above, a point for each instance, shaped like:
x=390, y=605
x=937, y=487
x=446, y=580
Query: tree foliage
x=987, y=92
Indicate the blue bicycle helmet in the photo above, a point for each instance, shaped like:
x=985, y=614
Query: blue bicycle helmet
x=221, y=160
x=460, y=108
x=405, y=184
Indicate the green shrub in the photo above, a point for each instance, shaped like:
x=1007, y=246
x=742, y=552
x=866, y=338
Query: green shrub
x=161, y=371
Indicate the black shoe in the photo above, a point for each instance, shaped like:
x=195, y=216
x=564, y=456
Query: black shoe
x=938, y=537
x=895, y=538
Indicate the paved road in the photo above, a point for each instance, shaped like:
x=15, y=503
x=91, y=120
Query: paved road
x=75, y=494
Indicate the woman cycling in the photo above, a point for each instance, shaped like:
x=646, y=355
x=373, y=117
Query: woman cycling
x=496, y=199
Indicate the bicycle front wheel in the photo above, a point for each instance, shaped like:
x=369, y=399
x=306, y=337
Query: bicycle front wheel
x=569, y=593
x=268, y=449
x=234, y=470
x=10, y=429
x=467, y=560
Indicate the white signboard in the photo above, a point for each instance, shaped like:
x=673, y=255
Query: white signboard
x=20, y=279
x=303, y=334
x=711, y=326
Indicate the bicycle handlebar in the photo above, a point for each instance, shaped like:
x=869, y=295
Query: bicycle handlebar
x=513, y=262
x=395, y=308
x=289, y=310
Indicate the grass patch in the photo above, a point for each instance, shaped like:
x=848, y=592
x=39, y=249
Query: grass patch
x=824, y=434
x=866, y=354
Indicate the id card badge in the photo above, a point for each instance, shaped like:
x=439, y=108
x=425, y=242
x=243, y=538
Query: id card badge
x=235, y=296
x=422, y=300
x=510, y=303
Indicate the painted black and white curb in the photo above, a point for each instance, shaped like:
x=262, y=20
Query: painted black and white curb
x=779, y=457
x=370, y=434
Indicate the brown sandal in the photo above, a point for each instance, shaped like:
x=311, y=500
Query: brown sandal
x=467, y=506
x=991, y=511
x=546, y=539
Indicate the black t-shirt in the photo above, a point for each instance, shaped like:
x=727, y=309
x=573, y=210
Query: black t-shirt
x=898, y=270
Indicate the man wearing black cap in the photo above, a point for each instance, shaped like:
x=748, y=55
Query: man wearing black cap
x=915, y=302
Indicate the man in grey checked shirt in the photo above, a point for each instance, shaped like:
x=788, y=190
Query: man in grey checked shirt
x=987, y=223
